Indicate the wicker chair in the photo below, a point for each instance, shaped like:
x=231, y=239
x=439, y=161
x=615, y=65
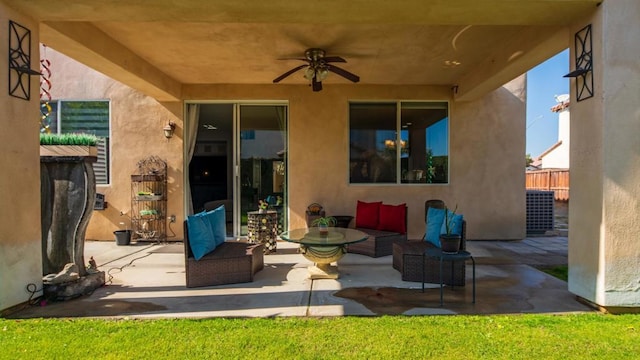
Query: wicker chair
x=231, y=262
x=407, y=258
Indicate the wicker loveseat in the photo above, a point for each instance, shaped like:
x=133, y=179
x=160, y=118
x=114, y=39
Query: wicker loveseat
x=230, y=262
x=408, y=256
x=380, y=242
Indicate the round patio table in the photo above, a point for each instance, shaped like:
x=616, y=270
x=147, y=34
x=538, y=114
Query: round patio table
x=324, y=248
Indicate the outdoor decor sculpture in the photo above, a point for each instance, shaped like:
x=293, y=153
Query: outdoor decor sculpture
x=68, y=193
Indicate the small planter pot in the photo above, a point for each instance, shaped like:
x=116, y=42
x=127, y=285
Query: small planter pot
x=323, y=229
x=450, y=244
x=123, y=237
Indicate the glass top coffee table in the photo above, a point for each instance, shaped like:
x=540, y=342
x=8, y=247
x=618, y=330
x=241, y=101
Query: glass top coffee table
x=324, y=248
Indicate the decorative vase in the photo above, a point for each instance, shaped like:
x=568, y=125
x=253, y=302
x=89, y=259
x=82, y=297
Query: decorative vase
x=323, y=229
x=450, y=244
x=262, y=211
x=68, y=194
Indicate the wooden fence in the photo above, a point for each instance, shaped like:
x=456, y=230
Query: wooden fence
x=554, y=180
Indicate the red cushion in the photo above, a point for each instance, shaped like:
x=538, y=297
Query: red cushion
x=392, y=218
x=367, y=214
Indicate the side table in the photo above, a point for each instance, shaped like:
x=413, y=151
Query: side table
x=461, y=255
x=262, y=228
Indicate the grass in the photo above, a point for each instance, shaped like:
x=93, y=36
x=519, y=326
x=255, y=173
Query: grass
x=561, y=272
x=68, y=139
x=535, y=336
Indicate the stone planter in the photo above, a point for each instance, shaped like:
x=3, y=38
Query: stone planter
x=68, y=191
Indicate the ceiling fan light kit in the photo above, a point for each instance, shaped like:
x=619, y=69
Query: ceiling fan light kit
x=318, y=68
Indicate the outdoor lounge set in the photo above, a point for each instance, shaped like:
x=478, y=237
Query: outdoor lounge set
x=386, y=226
x=210, y=260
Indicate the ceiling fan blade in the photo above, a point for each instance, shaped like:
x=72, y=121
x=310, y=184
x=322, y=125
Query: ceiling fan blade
x=277, y=80
x=334, y=59
x=344, y=73
x=316, y=85
x=293, y=58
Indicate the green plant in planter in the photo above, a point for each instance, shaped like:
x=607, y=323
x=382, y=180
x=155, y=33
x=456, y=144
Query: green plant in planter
x=448, y=220
x=324, y=221
x=450, y=242
x=68, y=139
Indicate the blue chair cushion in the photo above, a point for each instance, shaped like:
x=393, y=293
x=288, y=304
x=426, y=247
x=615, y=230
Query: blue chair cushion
x=201, y=239
x=456, y=224
x=216, y=219
x=435, y=219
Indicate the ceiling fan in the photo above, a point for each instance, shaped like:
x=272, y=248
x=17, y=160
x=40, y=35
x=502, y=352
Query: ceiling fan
x=318, y=67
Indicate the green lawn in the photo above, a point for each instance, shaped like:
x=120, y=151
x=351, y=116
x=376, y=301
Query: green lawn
x=561, y=272
x=583, y=336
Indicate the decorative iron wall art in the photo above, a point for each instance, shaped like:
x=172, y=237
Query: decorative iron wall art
x=20, y=61
x=583, y=73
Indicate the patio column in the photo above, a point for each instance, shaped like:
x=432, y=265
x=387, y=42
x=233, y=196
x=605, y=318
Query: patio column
x=604, y=250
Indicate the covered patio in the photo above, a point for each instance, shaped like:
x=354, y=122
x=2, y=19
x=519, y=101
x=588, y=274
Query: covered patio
x=467, y=56
x=147, y=281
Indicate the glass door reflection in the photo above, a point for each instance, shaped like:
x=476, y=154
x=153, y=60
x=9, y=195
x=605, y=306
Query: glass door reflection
x=262, y=160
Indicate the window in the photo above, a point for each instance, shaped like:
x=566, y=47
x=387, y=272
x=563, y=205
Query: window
x=399, y=143
x=90, y=117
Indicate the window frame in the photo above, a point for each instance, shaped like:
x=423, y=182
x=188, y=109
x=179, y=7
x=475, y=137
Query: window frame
x=58, y=128
x=398, y=131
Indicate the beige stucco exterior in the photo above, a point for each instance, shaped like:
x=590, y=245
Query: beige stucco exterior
x=497, y=41
x=136, y=133
x=20, y=244
x=318, y=149
x=605, y=165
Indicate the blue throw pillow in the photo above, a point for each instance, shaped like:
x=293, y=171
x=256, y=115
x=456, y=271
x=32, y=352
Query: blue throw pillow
x=435, y=219
x=217, y=223
x=456, y=224
x=201, y=239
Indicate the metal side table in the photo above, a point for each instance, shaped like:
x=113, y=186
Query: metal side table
x=461, y=255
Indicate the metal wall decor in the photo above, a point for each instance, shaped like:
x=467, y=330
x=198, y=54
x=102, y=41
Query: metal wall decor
x=20, y=61
x=584, y=64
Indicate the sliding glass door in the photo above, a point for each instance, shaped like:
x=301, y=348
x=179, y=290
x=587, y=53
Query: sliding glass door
x=262, y=158
x=240, y=158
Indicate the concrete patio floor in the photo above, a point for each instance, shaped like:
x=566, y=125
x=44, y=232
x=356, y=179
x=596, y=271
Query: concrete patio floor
x=148, y=281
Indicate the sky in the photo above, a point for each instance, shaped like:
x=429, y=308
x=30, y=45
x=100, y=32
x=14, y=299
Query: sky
x=543, y=83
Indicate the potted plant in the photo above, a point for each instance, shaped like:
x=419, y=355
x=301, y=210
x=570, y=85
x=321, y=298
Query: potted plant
x=450, y=241
x=323, y=223
x=68, y=145
x=263, y=205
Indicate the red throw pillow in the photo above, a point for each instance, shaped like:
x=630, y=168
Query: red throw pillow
x=367, y=214
x=392, y=218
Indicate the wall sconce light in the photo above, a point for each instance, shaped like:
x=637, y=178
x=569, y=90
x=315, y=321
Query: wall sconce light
x=169, y=129
x=583, y=74
x=20, y=71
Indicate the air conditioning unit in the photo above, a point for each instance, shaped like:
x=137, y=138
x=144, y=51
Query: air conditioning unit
x=539, y=211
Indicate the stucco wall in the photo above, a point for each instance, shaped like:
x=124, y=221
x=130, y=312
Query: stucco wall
x=558, y=158
x=20, y=244
x=605, y=164
x=136, y=133
x=487, y=179
x=487, y=148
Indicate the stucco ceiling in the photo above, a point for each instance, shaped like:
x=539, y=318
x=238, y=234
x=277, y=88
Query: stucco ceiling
x=158, y=46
